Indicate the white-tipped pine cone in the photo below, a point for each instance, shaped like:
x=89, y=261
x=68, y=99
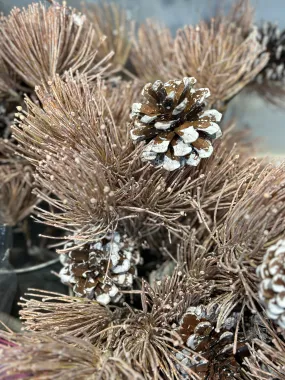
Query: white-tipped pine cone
x=215, y=357
x=273, y=42
x=98, y=271
x=272, y=286
x=172, y=121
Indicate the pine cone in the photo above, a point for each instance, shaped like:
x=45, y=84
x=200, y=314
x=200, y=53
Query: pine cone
x=99, y=270
x=273, y=41
x=272, y=287
x=218, y=362
x=172, y=121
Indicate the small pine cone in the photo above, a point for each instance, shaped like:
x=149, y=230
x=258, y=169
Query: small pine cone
x=272, y=287
x=273, y=42
x=218, y=362
x=98, y=271
x=173, y=122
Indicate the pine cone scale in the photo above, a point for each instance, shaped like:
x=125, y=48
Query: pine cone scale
x=204, y=147
x=141, y=132
x=280, y=299
x=149, y=110
x=187, y=132
x=79, y=269
x=164, y=125
x=278, y=284
x=180, y=148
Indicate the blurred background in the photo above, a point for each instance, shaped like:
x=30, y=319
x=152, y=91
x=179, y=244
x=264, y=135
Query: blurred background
x=249, y=108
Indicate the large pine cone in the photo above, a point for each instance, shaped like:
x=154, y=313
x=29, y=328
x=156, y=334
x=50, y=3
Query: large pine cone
x=197, y=329
x=172, y=122
x=273, y=41
x=272, y=287
x=98, y=271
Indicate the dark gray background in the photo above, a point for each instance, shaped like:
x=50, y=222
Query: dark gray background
x=265, y=120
